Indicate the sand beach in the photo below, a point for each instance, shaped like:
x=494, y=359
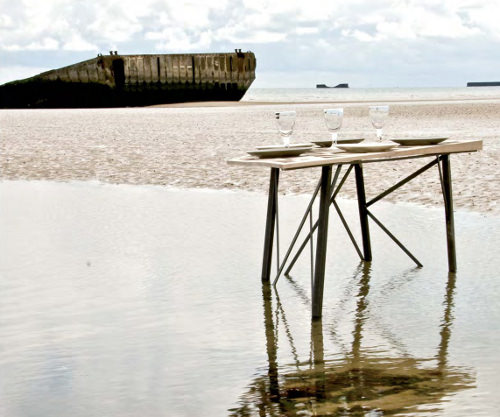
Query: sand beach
x=187, y=146
x=131, y=257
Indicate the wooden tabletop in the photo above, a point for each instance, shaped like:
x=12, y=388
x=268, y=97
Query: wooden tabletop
x=332, y=156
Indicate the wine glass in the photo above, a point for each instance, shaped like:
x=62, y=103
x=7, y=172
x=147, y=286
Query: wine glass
x=285, y=121
x=333, y=120
x=378, y=114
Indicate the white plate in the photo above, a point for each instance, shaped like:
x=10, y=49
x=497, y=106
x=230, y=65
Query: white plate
x=292, y=145
x=328, y=142
x=419, y=141
x=368, y=147
x=279, y=152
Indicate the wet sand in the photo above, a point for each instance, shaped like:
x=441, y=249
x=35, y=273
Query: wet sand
x=188, y=147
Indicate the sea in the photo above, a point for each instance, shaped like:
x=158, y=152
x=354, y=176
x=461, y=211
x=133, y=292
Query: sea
x=370, y=94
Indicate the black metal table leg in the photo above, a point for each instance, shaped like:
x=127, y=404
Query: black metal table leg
x=448, y=207
x=363, y=212
x=270, y=225
x=321, y=245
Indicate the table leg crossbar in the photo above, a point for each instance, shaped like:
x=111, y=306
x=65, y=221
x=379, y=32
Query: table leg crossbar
x=333, y=189
x=447, y=196
x=394, y=238
x=363, y=207
x=401, y=183
x=313, y=227
x=301, y=225
x=348, y=230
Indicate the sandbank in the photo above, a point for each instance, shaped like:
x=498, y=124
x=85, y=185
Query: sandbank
x=187, y=146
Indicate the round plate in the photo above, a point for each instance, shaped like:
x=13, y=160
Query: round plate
x=279, y=152
x=368, y=147
x=292, y=145
x=418, y=141
x=342, y=141
x=328, y=142
x=323, y=143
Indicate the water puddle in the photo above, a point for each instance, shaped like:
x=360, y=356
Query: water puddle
x=132, y=300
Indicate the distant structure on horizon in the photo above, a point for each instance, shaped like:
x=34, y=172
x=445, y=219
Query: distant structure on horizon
x=343, y=85
x=135, y=80
x=484, y=84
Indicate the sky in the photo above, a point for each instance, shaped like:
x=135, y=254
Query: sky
x=297, y=43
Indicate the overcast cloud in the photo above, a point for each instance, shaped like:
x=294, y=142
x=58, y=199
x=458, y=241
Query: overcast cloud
x=298, y=43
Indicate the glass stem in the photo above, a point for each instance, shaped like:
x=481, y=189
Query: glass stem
x=334, y=138
x=286, y=141
x=379, y=135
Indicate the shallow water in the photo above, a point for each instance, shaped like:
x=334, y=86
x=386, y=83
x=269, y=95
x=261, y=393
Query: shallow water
x=141, y=300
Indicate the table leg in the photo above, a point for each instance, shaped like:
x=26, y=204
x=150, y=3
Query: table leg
x=448, y=207
x=363, y=213
x=319, y=270
x=270, y=225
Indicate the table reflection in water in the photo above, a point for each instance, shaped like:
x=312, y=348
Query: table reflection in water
x=361, y=382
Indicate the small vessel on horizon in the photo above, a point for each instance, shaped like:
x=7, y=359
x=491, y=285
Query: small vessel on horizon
x=135, y=80
x=342, y=85
x=484, y=84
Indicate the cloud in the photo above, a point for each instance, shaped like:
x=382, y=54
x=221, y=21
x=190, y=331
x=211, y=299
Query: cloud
x=288, y=36
x=120, y=21
x=414, y=19
x=305, y=30
x=238, y=35
x=173, y=40
x=6, y=22
x=77, y=43
x=46, y=44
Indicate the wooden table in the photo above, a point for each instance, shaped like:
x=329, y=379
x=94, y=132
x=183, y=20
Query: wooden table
x=326, y=158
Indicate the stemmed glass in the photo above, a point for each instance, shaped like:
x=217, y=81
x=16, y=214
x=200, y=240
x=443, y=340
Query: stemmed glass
x=333, y=120
x=285, y=121
x=378, y=114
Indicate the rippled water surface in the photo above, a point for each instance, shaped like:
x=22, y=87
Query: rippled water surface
x=142, y=300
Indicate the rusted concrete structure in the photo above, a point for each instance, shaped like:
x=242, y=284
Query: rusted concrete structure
x=135, y=80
